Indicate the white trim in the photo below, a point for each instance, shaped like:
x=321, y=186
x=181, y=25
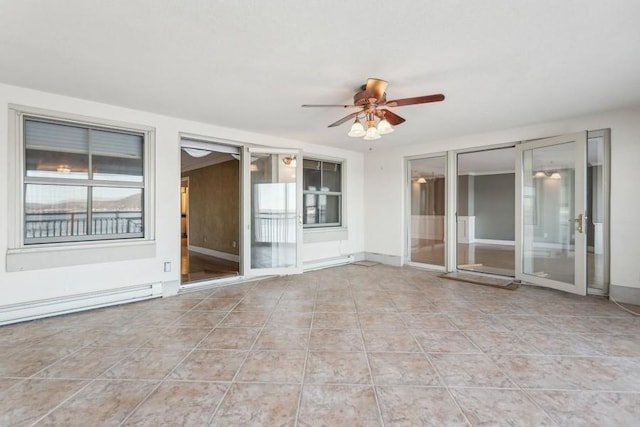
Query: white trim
x=247, y=193
x=429, y=267
x=79, y=302
x=625, y=294
x=393, y=260
x=62, y=116
x=487, y=173
x=466, y=229
x=451, y=212
x=52, y=256
x=327, y=262
x=342, y=194
x=325, y=234
x=494, y=242
x=217, y=283
x=192, y=138
x=212, y=252
x=209, y=146
x=15, y=207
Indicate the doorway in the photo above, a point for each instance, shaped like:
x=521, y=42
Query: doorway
x=485, y=221
x=210, y=213
x=241, y=208
x=537, y=211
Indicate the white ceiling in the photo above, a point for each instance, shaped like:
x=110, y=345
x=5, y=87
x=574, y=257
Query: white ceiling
x=251, y=64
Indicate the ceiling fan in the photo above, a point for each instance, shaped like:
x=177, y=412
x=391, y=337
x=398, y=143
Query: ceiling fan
x=372, y=104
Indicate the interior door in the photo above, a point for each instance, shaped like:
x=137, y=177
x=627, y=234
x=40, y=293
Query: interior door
x=272, y=218
x=551, y=244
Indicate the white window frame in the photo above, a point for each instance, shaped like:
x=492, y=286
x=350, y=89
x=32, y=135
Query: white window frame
x=328, y=233
x=21, y=256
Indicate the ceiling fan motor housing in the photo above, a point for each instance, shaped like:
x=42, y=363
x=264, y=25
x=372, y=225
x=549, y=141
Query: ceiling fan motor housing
x=363, y=97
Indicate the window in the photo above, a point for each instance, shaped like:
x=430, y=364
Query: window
x=82, y=182
x=322, y=201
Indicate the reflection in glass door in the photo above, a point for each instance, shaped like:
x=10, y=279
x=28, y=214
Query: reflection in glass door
x=273, y=193
x=427, y=188
x=551, y=242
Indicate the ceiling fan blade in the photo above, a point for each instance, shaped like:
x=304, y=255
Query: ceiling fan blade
x=329, y=105
x=393, y=118
x=345, y=119
x=417, y=100
x=376, y=87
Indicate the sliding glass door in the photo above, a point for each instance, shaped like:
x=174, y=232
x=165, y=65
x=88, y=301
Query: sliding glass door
x=273, y=211
x=427, y=201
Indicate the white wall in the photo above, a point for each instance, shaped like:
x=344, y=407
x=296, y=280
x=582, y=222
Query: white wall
x=23, y=286
x=384, y=190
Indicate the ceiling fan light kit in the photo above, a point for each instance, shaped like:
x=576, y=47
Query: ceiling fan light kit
x=384, y=127
x=371, y=100
x=371, y=134
x=357, y=130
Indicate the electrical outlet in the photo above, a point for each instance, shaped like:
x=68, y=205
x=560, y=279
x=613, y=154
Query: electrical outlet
x=167, y=267
x=234, y=244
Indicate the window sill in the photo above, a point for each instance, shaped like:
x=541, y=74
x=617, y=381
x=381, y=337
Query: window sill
x=325, y=234
x=37, y=258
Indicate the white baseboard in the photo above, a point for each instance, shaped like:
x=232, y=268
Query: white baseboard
x=327, y=262
x=79, y=302
x=170, y=288
x=214, y=253
x=625, y=294
x=393, y=260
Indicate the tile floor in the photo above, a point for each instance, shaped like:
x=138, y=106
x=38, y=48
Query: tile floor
x=345, y=346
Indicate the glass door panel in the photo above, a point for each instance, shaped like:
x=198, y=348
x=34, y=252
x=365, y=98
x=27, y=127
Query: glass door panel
x=551, y=243
x=598, y=212
x=427, y=188
x=273, y=193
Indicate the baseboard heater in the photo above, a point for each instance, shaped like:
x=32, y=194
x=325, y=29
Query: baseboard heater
x=54, y=306
x=328, y=262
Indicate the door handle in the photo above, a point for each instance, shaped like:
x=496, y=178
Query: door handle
x=580, y=221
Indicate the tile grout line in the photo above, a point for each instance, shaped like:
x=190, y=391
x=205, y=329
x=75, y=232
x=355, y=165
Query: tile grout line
x=89, y=380
x=306, y=357
x=436, y=370
x=63, y=402
x=246, y=356
x=517, y=384
x=384, y=288
x=163, y=379
x=366, y=357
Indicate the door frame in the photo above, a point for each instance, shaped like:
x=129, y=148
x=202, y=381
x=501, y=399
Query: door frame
x=246, y=212
x=407, y=207
x=189, y=140
x=580, y=242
